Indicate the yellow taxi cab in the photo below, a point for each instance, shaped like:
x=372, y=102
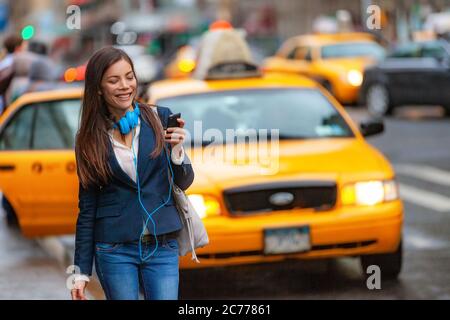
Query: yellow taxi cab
x=38, y=176
x=336, y=61
x=321, y=192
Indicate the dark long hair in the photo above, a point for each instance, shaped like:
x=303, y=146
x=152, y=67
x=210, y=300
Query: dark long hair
x=92, y=140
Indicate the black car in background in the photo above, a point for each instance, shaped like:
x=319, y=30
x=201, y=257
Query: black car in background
x=414, y=74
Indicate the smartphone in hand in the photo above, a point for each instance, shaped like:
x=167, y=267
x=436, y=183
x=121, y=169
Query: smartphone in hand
x=172, y=122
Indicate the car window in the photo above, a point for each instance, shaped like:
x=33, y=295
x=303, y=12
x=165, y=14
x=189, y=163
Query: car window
x=17, y=133
x=308, y=55
x=292, y=54
x=297, y=113
x=353, y=49
x=303, y=53
x=56, y=125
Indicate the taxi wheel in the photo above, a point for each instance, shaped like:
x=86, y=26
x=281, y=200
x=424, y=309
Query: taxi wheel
x=447, y=111
x=390, y=263
x=377, y=100
x=11, y=218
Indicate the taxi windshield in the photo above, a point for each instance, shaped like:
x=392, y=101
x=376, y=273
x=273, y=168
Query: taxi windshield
x=353, y=49
x=296, y=113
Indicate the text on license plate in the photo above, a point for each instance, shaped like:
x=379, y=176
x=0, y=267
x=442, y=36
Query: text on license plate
x=287, y=240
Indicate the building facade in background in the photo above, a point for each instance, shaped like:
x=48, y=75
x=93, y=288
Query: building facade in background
x=266, y=22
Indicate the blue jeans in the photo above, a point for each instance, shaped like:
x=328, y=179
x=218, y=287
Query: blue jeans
x=120, y=270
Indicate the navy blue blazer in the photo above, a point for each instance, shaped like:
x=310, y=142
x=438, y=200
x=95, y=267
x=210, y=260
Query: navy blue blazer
x=112, y=213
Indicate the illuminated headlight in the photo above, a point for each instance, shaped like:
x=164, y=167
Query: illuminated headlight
x=355, y=78
x=205, y=206
x=369, y=193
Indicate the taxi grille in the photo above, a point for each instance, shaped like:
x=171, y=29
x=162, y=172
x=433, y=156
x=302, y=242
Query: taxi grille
x=253, y=199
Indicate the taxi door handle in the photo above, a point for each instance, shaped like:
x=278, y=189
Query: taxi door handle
x=37, y=167
x=7, y=167
x=71, y=167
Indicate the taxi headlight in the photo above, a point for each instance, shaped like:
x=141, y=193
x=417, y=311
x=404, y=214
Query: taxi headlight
x=206, y=206
x=369, y=193
x=355, y=78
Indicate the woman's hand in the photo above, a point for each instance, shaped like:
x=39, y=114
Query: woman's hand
x=175, y=135
x=78, y=292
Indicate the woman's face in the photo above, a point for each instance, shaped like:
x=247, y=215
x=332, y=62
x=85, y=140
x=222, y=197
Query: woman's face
x=118, y=87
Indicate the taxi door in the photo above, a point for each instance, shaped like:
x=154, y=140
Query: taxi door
x=37, y=166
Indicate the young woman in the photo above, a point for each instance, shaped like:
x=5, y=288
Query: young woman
x=127, y=221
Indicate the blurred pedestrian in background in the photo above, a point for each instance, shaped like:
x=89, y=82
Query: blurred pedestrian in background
x=19, y=83
x=33, y=71
x=42, y=75
x=13, y=44
x=43, y=71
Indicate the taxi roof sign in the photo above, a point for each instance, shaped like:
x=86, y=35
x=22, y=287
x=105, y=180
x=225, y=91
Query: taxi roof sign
x=220, y=25
x=224, y=54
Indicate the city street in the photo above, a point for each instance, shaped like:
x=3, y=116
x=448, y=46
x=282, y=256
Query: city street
x=417, y=143
x=27, y=272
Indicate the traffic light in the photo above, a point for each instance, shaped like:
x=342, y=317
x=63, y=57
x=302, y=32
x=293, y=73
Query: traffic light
x=27, y=32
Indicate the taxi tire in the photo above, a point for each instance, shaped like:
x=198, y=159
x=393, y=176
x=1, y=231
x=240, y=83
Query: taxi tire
x=447, y=111
x=390, y=263
x=378, y=101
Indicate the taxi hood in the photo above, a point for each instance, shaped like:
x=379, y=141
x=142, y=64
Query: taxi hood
x=336, y=159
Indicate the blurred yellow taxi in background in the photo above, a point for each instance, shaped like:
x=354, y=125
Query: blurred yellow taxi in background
x=336, y=61
x=37, y=161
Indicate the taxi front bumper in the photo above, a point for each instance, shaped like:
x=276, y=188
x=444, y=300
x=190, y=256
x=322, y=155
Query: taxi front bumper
x=346, y=231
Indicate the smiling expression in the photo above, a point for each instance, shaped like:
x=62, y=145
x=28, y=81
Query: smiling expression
x=118, y=87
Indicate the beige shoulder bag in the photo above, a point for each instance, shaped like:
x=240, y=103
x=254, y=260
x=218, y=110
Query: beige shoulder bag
x=193, y=235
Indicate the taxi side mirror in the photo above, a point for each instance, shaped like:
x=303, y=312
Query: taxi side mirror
x=371, y=127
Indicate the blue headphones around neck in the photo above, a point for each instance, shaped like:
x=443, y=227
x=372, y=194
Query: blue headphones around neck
x=129, y=121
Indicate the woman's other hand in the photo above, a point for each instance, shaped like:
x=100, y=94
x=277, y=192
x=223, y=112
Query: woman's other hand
x=78, y=292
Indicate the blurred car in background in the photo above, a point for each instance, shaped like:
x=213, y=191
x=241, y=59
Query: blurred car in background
x=417, y=73
x=333, y=194
x=336, y=61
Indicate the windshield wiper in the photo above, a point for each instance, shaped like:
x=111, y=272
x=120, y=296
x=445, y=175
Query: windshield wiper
x=287, y=137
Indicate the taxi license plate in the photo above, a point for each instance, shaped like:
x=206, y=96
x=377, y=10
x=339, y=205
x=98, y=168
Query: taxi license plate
x=287, y=240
